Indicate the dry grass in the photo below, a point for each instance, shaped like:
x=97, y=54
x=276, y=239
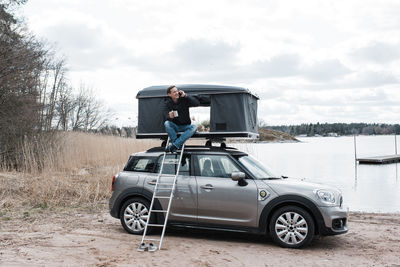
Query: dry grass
x=77, y=170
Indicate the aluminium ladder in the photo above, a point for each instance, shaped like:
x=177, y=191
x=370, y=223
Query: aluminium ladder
x=160, y=186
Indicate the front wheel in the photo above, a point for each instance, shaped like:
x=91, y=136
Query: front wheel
x=291, y=227
x=134, y=215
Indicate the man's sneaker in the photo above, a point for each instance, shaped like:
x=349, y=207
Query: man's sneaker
x=152, y=247
x=171, y=149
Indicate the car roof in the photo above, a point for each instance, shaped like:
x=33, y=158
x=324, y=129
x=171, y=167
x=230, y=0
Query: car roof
x=156, y=151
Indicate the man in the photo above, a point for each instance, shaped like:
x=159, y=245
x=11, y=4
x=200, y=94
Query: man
x=177, y=117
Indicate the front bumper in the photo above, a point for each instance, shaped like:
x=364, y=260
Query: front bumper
x=334, y=220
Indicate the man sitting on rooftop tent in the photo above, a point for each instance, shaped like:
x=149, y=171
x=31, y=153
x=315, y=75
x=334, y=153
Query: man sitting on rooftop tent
x=177, y=117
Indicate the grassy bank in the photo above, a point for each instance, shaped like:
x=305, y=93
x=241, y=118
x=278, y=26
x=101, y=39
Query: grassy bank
x=78, y=170
x=269, y=135
x=75, y=169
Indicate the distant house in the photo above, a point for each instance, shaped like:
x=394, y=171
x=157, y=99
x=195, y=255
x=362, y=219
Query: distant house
x=332, y=134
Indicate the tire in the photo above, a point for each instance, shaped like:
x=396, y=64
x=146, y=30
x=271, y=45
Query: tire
x=134, y=215
x=291, y=227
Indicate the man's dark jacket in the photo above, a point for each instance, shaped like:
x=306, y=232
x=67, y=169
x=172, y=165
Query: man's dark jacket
x=182, y=106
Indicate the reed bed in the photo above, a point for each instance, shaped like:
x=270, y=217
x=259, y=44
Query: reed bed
x=77, y=169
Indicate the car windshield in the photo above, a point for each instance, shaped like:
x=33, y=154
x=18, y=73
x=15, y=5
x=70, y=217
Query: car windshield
x=256, y=168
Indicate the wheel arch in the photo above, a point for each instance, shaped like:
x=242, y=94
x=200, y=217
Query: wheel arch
x=140, y=193
x=290, y=200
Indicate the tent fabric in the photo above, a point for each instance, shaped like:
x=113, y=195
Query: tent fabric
x=233, y=113
x=233, y=110
x=150, y=116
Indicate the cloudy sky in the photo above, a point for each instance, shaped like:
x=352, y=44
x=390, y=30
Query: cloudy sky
x=308, y=61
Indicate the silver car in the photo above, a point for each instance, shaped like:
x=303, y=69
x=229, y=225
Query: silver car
x=226, y=189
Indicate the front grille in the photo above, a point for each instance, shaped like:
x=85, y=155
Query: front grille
x=339, y=224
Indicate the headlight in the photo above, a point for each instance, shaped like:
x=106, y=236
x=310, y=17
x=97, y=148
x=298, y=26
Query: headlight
x=326, y=196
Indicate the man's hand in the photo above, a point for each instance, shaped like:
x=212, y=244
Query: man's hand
x=171, y=114
x=182, y=93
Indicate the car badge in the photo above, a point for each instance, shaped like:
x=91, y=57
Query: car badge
x=262, y=194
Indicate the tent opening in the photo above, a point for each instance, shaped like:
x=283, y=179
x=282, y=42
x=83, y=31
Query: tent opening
x=201, y=118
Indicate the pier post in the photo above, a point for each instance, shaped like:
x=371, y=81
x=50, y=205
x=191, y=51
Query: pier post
x=355, y=148
x=355, y=162
x=395, y=143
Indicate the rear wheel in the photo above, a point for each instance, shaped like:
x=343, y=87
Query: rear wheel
x=134, y=215
x=291, y=227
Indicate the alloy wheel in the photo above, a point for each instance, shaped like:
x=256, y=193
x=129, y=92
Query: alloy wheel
x=291, y=228
x=136, y=215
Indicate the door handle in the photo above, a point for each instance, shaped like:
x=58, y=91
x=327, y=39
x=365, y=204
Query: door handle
x=207, y=186
x=152, y=182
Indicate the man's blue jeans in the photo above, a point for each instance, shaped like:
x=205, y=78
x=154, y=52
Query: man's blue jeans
x=172, y=129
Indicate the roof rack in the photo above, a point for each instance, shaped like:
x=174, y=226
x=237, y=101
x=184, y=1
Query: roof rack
x=207, y=135
x=197, y=147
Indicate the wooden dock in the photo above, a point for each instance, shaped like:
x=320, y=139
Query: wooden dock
x=379, y=159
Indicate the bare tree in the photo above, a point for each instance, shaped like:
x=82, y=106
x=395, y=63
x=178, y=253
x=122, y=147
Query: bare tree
x=34, y=95
x=80, y=102
x=64, y=108
x=58, y=84
x=94, y=116
x=21, y=63
x=53, y=81
x=10, y=3
x=89, y=113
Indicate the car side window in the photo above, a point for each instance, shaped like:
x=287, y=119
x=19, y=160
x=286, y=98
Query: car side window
x=141, y=164
x=171, y=164
x=216, y=166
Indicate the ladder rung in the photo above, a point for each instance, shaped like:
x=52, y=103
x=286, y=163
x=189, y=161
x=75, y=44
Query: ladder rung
x=161, y=197
x=165, y=183
x=159, y=211
x=152, y=239
x=155, y=225
x=165, y=188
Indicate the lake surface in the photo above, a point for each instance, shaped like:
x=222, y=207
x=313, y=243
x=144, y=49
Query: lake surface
x=331, y=160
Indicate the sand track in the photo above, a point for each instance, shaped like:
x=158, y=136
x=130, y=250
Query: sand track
x=75, y=237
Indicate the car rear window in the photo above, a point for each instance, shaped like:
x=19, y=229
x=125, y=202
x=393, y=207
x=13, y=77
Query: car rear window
x=170, y=166
x=141, y=164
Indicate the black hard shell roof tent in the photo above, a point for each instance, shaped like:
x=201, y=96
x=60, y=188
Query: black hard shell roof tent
x=233, y=111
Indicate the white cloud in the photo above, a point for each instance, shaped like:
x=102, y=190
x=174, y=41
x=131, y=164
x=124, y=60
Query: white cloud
x=378, y=52
x=308, y=60
x=325, y=71
x=202, y=54
x=87, y=48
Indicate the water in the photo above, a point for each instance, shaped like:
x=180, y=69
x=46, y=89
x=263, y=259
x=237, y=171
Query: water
x=331, y=161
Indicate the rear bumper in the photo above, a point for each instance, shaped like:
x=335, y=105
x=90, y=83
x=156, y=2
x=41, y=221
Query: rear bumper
x=114, y=213
x=113, y=208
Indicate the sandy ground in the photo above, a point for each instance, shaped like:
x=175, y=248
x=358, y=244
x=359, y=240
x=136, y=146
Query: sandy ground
x=77, y=237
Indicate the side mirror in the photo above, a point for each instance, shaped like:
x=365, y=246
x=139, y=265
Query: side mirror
x=237, y=176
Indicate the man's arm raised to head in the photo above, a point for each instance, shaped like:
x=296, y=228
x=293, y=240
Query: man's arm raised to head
x=193, y=101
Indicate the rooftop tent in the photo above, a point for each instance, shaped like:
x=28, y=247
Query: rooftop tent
x=233, y=110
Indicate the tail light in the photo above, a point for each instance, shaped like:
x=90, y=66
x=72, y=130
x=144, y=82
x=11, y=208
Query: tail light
x=112, y=183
